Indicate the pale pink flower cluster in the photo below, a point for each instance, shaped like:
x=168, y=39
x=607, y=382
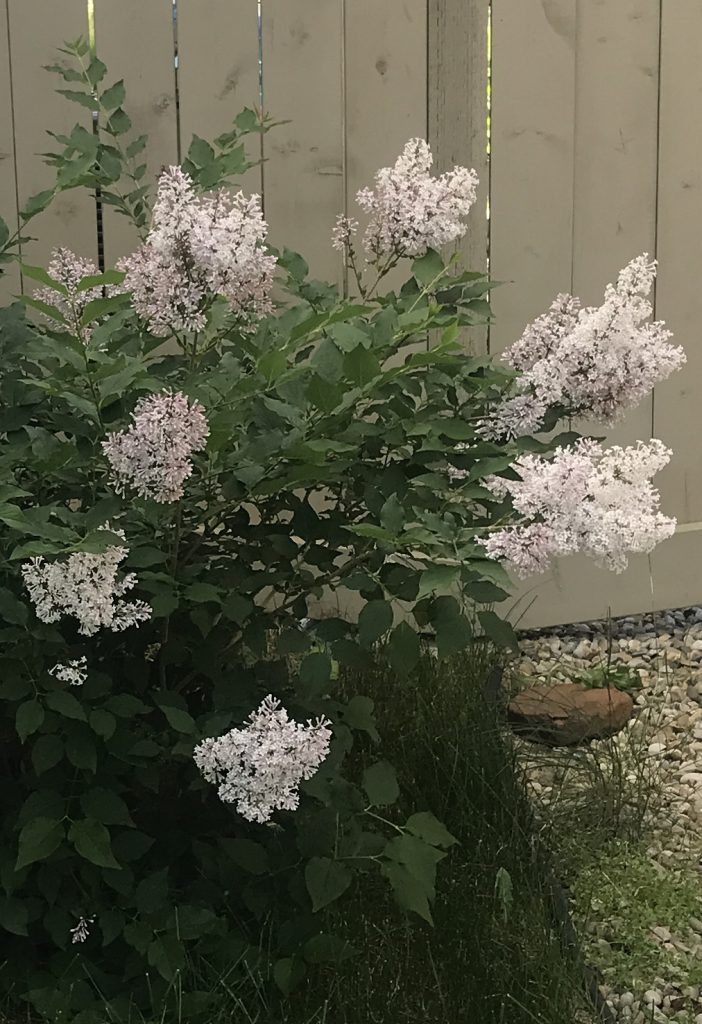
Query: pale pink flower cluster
x=200, y=246
x=81, y=931
x=153, y=456
x=69, y=270
x=260, y=766
x=73, y=672
x=586, y=498
x=409, y=210
x=596, y=362
x=85, y=586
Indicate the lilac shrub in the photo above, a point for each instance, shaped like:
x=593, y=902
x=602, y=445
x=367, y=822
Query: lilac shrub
x=191, y=781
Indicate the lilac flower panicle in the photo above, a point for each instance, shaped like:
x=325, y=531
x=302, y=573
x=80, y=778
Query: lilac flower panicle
x=73, y=672
x=69, y=270
x=586, y=498
x=259, y=767
x=199, y=246
x=596, y=362
x=409, y=210
x=85, y=586
x=153, y=456
x=81, y=931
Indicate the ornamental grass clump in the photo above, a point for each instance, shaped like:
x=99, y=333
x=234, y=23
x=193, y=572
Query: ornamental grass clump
x=181, y=780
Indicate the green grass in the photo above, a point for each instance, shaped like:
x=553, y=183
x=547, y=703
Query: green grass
x=493, y=955
x=627, y=896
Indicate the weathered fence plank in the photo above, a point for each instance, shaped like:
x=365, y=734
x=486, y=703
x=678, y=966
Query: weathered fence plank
x=136, y=41
x=303, y=176
x=37, y=29
x=10, y=282
x=457, y=113
x=678, y=408
x=218, y=72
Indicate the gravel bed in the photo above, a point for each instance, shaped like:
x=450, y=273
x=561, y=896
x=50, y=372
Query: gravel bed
x=665, y=650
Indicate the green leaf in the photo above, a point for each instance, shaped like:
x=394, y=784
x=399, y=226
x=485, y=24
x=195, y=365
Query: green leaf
x=375, y=620
x=80, y=750
x=326, y=881
x=361, y=366
x=66, y=705
x=499, y=630
x=100, y=280
x=348, y=337
x=119, y=122
x=38, y=840
x=425, y=826
x=392, y=515
x=102, y=723
x=96, y=71
x=97, y=308
x=288, y=973
x=167, y=955
x=13, y=916
x=41, y=275
x=428, y=267
x=202, y=592
x=84, y=98
x=315, y=673
x=143, y=557
x=246, y=854
x=485, y=592
x=11, y=609
x=380, y=784
x=152, y=892
x=179, y=720
x=106, y=806
x=452, y=635
x=29, y=718
x=200, y=152
x=92, y=841
x=437, y=579
x=409, y=892
x=4, y=233
x=114, y=96
x=36, y=203
x=47, y=752
x=403, y=649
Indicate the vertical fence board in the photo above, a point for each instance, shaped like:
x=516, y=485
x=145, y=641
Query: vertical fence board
x=37, y=29
x=385, y=73
x=616, y=156
x=457, y=113
x=678, y=408
x=303, y=172
x=10, y=280
x=135, y=40
x=218, y=72
x=531, y=159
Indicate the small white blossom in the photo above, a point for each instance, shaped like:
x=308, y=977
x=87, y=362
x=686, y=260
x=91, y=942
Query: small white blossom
x=69, y=270
x=410, y=211
x=597, y=361
x=344, y=230
x=73, y=672
x=260, y=766
x=198, y=247
x=153, y=456
x=81, y=931
x=85, y=586
x=586, y=498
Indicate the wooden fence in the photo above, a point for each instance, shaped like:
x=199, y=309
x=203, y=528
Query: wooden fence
x=595, y=156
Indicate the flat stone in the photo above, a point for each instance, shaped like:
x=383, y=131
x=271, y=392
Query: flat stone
x=563, y=714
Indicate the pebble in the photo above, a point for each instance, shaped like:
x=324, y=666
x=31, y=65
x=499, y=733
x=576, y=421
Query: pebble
x=663, y=651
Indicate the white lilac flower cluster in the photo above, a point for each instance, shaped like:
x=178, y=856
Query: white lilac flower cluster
x=586, y=498
x=409, y=210
x=81, y=931
x=69, y=270
x=199, y=246
x=73, y=672
x=153, y=456
x=86, y=587
x=596, y=362
x=260, y=766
